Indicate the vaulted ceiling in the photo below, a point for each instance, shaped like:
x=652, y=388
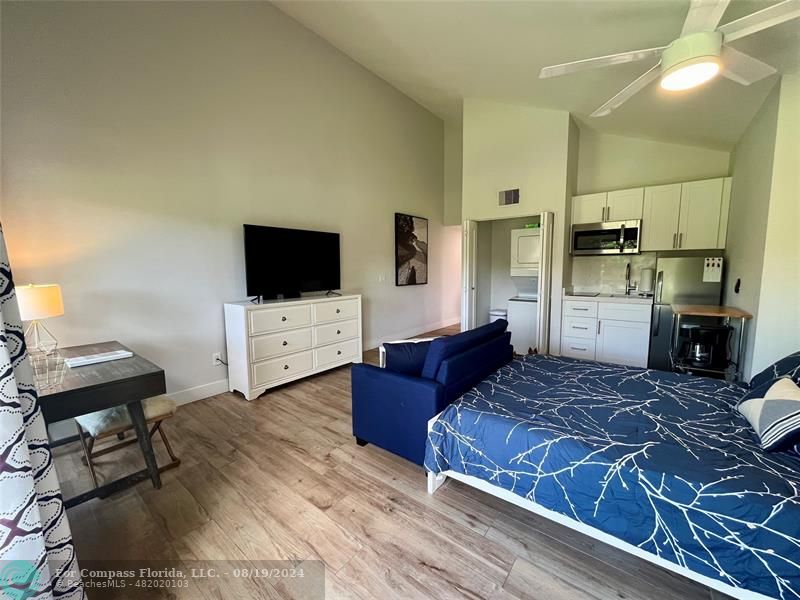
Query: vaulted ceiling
x=439, y=52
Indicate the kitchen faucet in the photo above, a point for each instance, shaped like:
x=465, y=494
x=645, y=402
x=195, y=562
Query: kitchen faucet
x=628, y=287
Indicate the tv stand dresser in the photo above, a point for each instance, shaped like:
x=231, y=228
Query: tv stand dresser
x=278, y=341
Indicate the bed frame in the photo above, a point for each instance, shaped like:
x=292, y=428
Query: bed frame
x=436, y=480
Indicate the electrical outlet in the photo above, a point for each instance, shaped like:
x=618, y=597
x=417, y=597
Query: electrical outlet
x=216, y=359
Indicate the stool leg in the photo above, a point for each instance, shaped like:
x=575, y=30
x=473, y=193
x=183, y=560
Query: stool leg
x=166, y=443
x=88, y=454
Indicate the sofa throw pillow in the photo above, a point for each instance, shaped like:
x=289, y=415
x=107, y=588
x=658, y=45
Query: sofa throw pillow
x=775, y=417
x=406, y=357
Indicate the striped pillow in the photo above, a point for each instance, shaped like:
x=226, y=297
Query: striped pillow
x=776, y=416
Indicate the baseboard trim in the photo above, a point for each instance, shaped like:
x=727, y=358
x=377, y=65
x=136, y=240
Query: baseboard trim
x=410, y=332
x=199, y=392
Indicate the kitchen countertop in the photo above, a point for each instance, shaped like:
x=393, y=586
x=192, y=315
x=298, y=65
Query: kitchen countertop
x=615, y=298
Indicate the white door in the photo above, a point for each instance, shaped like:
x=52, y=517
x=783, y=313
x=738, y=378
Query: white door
x=523, y=317
x=624, y=205
x=662, y=207
x=526, y=248
x=623, y=342
x=589, y=208
x=701, y=204
x=469, y=275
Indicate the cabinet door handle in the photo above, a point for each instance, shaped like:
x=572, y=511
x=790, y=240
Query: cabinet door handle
x=338, y=332
x=577, y=308
x=285, y=343
x=338, y=352
x=674, y=240
x=283, y=318
x=598, y=327
x=285, y=367
x=338, y=311
x=576, y=348
x=680, y=240
x=576, y=327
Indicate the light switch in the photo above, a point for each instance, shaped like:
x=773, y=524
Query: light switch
x=712, y=269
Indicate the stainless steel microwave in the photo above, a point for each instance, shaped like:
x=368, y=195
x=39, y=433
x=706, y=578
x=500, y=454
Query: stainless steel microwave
x=613, y=237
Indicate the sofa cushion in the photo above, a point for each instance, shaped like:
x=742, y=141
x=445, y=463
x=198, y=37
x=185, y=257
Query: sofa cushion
x=464, y=371
x=407, y=358
x=443, y=348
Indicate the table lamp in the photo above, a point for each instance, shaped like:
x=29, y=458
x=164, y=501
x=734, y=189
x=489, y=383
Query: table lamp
x=37, y=302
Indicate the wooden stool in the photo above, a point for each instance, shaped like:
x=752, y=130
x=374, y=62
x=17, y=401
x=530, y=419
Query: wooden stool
x=116, y=421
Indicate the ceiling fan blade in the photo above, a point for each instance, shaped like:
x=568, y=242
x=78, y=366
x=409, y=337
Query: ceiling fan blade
x=762, y=19
x=703, y=15
x=632, y=88
x=743, y=68
x=599, y=62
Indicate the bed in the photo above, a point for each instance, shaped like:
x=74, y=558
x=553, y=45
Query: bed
x=658, y=464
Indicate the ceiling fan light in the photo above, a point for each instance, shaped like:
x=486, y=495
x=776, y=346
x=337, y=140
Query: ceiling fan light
x=690, y=74
x=691, y=60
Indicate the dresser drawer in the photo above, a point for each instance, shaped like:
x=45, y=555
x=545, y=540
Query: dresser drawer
x=580, y=327
x=276, y=344
x=577, y=308
x=625, y=312
x=267, y=320
x=335, y=332
x=337, y=310
x=344, y=351
x=280, y=368
x=577, y=348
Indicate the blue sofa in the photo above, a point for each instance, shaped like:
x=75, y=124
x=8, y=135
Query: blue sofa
x=392, y=405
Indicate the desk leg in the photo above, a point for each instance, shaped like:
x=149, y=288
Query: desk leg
x=140, y=425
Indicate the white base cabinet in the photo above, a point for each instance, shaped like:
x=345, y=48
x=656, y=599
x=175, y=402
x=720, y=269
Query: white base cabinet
x=277, y=342
x=612, y=332
x=523, y=319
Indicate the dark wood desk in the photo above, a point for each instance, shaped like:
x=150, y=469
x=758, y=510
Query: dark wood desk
x=104, y=385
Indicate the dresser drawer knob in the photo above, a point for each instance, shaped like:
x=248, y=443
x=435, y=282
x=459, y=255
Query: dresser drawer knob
x=285, y=367
x=338, y=311
x=285, y=343
x=338, y=352
x=338, y=332
x=283, y=318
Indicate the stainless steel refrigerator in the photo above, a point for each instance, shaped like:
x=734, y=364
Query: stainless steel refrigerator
x=679, y=280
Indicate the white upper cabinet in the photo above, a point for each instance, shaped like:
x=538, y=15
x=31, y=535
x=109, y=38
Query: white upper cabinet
x=662, y=206
x=589, y=208
x=679, y=216
x=624, y=205
x=701, y=204
x=619, y=205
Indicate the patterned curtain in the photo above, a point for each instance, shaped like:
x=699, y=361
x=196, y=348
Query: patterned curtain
x=37, y=558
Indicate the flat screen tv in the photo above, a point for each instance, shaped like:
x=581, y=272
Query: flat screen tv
x=284, y=263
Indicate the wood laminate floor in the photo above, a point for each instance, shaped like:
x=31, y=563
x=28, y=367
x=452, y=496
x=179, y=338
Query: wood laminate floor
x=281, y=478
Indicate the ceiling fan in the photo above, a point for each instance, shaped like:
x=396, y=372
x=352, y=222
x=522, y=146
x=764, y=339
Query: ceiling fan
x=699, y=54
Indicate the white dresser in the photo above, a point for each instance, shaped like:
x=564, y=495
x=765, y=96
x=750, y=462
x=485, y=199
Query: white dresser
x=276, y=342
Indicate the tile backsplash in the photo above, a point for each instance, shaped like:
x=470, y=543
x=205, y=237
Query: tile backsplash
x=606, y=274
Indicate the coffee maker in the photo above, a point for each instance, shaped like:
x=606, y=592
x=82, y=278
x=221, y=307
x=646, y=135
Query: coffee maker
x=707, y=346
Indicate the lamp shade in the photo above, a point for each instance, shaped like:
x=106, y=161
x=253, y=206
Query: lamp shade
x=40, y=301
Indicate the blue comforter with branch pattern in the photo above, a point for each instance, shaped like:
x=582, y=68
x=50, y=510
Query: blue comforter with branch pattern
x=659, y=460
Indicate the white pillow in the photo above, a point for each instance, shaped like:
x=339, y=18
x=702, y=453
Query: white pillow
x=776, y=416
